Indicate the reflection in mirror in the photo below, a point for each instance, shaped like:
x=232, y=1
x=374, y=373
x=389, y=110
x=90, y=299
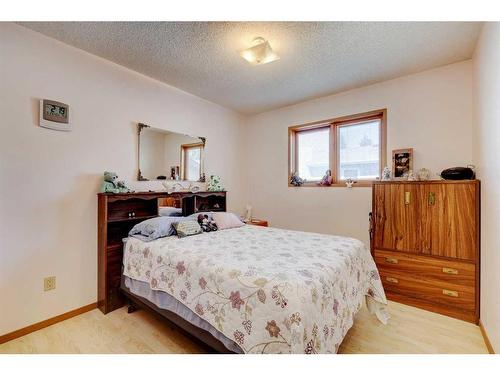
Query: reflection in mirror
x=191, y=161
x=166, y=155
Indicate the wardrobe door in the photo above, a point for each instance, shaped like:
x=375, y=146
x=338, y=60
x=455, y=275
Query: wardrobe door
x=396, y=217
x=449, y=222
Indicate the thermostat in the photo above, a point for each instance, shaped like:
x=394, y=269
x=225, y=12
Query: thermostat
x=54, y=115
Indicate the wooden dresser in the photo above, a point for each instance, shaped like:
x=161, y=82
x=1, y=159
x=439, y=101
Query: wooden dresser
x=425, y=241
x=117, y=214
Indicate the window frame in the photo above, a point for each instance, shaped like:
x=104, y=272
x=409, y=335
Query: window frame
x=184, y=153
x=311, y=129
x=334, y=160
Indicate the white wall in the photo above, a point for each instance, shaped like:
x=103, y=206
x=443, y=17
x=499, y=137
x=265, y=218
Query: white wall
x=429, y=111
x=49, y=179
x=486, y=151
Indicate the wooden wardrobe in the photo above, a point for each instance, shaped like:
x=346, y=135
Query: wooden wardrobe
x=425, y=241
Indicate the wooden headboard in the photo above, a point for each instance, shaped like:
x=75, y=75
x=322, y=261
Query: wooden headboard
x=117, y=214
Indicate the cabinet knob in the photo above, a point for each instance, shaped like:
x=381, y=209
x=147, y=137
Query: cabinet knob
x=432, y=198
x=450, y=271
x=407, y=197
x=450, y=293
x=391, y=260
x=392, y=280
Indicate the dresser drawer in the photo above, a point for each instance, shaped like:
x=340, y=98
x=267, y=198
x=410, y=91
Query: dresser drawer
x=455, y=272
x=440, y=292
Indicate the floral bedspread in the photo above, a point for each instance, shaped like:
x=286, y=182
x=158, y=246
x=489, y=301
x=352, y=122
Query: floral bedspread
x=269, y=290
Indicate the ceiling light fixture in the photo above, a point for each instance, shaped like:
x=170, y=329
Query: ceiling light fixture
x=260, y=52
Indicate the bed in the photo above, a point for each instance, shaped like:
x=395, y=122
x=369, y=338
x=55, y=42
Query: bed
x=257, y=289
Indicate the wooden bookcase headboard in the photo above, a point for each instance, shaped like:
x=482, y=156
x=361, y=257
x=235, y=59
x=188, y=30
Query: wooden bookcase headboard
x=117, y=214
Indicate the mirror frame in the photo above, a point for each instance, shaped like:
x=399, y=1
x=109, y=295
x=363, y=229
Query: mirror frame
x=140, y=177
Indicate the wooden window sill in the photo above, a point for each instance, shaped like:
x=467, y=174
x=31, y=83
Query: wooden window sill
x=338, y=184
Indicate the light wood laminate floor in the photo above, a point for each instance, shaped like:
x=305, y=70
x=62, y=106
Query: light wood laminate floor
x=410, y=330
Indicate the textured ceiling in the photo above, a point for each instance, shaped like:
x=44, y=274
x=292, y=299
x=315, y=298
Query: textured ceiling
x=317, y=58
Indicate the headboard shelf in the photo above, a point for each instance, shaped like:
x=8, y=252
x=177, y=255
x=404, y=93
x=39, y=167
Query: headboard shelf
x=117, y=214
x=135, y=218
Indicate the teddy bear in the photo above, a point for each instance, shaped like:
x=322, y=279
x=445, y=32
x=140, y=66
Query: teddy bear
x=207, y=224
x=123, y=188
x=111, y=185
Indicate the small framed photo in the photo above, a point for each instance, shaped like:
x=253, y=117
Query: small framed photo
x=402, y=162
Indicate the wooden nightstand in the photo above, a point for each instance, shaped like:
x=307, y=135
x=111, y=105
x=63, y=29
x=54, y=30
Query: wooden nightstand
x=258, y=222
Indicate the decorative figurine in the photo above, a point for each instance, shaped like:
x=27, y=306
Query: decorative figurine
x=327, y=179
x=411, y=176
x=214, y=184
x=349, y=182
x=172, y=173
x=111, y=185
x=423, y=174
x=386, y=174
x=295, y=180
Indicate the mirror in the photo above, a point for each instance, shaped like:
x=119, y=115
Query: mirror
x=167, y=155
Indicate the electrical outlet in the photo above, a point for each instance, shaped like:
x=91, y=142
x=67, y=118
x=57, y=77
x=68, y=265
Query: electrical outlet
x=49, y=283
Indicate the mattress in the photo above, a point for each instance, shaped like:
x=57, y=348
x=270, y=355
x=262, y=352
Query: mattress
x=268, y=290
x=165, y=301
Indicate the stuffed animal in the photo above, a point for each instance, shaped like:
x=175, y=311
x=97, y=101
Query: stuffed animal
x=295, y=180
x=111, y=185
x=214, y=184
x=123, y=188
x=327, y=179
x=207, y=224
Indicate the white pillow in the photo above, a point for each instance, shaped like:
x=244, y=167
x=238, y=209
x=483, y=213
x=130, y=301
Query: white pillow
x=227, y=220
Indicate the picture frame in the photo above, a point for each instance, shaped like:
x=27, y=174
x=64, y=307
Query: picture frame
x=402, y=162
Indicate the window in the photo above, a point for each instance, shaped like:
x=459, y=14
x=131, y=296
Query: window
x=313, y=148
x=191, y=161
x=350, y=147
x=359, y=150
